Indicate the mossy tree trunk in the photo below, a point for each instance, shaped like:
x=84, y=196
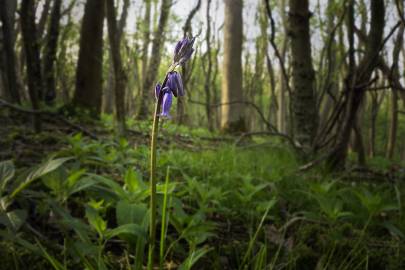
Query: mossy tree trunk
x=303, y=75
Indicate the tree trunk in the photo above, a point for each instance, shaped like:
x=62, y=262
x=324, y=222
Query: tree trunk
x=208, y=71
x=108, y=95
x=232, y=115
x=282, y=88
x=6, y=15
x=88, y=94
x=50, y=53
x=119, y=72
x=43, y=18
x=303, y=76
x=394, y=95
x=186, y=72
x=32, y=57
x=146, y=37
x=357, y=82
x=154, y=63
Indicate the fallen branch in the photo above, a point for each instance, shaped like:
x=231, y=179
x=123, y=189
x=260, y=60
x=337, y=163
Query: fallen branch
x=6, y=104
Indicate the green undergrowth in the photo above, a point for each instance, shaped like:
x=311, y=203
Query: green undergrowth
x=85, y=206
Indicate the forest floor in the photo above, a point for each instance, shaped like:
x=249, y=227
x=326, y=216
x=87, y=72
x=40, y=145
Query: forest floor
x=74, y=196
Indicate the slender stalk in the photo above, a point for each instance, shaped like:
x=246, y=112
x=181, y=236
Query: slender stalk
x=152, y=182
x=152, y=223
x=164, y=221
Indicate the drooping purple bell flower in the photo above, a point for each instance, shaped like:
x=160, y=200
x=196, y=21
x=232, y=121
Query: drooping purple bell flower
x=175, y=83
x=183, y=50
x=167, y=102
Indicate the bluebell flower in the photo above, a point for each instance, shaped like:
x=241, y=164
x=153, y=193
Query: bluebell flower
x=175, y=83
x=167, y=102
x=183, y=50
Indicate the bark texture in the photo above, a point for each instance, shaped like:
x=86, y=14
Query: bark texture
x=232, y=114
x=6, y=14
x=356, y=84
x=50, y=53
x=32, y=56
x=392, y=136
x=88, y=94
x=303, y=75
x=119, y=72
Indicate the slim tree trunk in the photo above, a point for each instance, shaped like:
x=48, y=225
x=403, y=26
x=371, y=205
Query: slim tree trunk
x=146, y=37
x=373, y=119
x=356, y=84
x=394, y=95
x=186, y=72
x=88, y=94
x=282, y=100
x=108, y=95
x=32, y=57
x=330, y=82
x=8, y=40
x=303, y=75
x=154, y=63
x=50, y=53
x=208, y=73
x=43, y=18
x=232, y=114
x=119, y=72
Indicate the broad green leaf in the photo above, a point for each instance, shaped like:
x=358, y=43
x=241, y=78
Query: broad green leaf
x=52, y=260
x=393, y=229
x=13, y=219
x=45, y=168
x=113, y=185
x=75, y=177
x=133, y=181
x=81, y=185
x=193, y=258
x=81, y=229
x=7, y=172
x=130, y=212
x=95, y=220
x=16, y=239
x=133, y=230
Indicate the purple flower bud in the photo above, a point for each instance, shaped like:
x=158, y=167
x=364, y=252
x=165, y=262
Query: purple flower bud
x=183, y=50
x=167, y=103
x=157, y=90
x=177, y=48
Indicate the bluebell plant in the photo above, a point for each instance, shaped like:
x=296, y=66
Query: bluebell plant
x=172, y=86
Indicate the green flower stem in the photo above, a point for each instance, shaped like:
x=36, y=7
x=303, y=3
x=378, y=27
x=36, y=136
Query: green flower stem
x=152, y=221
x=152, y=181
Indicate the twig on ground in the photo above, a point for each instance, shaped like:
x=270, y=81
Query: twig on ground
x=86, y=132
